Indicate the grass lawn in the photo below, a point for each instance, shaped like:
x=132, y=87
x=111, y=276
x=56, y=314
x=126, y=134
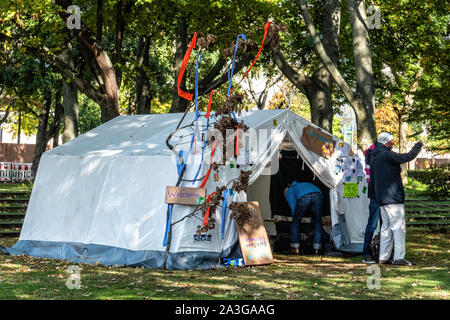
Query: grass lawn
x=12, y=187
x=290, y=277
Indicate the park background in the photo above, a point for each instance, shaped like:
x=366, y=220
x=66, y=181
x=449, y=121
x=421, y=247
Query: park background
x=354, y=68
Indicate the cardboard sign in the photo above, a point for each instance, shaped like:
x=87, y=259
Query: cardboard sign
x=253, y=239
x=318, y=141
x=184, y=195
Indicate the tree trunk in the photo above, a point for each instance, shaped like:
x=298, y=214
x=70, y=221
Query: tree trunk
x=365, y=87
x=71, y=109
x=19, y=131
x=362, y=101
x=95, y=56
x=320, y=105
x=143, y=93
x=55, y=139
x=318, y=87
x=262, y=100
x=366, y=130
x=99, y=20
x=43, y=135
x=178, y=103
x=41, y=141
x=319, y=95
x=109, y=103
x=120, y=26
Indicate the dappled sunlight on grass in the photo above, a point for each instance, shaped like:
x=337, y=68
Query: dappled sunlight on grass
x=289, y=277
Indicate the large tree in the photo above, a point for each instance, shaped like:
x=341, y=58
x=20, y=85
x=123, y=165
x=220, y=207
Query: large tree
x=312, y=77
x=411, y=62
x=362, y=98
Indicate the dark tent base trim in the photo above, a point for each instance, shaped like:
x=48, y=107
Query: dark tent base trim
x=113, y=256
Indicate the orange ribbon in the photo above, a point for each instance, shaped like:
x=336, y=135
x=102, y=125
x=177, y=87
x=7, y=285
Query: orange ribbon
x=181, y=93
x=206, y=217
x=209, y=105
x=266, y=29
x=210, y=167
x=236, y=148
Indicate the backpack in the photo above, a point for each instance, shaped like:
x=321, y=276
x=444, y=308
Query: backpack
x=375, y=247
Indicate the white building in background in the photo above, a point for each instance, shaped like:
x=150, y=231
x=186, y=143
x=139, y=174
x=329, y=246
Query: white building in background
x=348, y=125
x=6, y=136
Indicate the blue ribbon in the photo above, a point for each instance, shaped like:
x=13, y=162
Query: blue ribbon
x=180, y=165
x=197, y=113
x=203, y=151
x=224, y=211
x=230, y=76
x=230, y=72
x=198, y=59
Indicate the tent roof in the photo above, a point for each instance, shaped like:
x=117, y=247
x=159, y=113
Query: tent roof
x=146, y=134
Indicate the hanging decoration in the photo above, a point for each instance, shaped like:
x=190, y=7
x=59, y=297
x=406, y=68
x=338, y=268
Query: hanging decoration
x=224, y=119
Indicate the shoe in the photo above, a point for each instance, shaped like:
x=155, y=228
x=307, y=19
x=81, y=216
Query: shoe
x=385, y=262
x=294, y=251
x=368, y=260
x=403, y=262
x=317, y=252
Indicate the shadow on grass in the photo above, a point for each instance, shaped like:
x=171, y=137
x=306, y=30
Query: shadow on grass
x=290, y=277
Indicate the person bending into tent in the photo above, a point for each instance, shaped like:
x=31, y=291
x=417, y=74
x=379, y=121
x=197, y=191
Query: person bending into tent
x=302, y=196
x=389, y=193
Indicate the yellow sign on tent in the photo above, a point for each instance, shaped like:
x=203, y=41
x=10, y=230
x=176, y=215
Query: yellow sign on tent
x=351, y=190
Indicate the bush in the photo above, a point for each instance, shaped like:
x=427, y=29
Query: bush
x=436, y=179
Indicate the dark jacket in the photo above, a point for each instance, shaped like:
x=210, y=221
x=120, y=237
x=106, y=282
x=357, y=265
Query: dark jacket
x=385, y=173
x=368, y=157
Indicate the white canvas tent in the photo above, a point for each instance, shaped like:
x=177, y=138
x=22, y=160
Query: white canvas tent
x=100, y=197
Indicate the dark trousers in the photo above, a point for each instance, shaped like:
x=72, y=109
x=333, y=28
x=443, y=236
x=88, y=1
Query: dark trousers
x=374, y=216
x=313, y=201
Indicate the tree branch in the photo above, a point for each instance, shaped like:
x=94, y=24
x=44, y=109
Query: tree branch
x=7, y=110
x=62, y=67
x=331, y=67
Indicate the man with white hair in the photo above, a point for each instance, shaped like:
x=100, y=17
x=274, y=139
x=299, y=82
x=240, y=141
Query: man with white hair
x=389, y=194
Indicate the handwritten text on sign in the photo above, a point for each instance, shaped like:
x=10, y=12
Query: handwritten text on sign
x=184, y=195
x=253, y=238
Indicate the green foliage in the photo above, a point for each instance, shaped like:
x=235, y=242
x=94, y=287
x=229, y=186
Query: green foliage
x=89, y=114
x=414, y=35
x=337, y=128
x=159, y=107
x=437, y=180
x=28, y=124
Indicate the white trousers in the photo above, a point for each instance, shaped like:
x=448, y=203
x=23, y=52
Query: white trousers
x=393, y=231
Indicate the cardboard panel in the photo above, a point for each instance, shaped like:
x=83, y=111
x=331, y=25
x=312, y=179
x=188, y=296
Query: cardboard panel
x=318, y=141
x=184, y=195
x=253, y=239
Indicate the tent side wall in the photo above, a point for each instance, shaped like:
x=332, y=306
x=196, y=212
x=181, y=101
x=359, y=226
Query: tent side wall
x=95, y=200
